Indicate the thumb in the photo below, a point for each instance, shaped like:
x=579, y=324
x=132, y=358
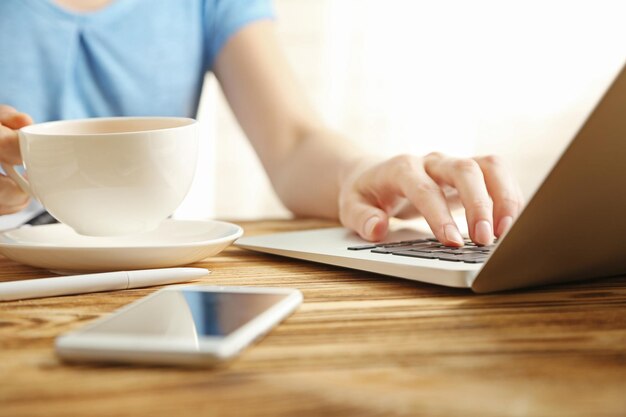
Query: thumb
x=16, y=120
x=369, y=221
x=12, y=118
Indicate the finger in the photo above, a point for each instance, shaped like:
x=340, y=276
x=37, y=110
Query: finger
x=13, y=209
x=466, y=176
x=503, y=190
x=9, y=146
x=16, y=120
x=12, y=118
x=369, y=221
x=12, y=197
x=430, y=200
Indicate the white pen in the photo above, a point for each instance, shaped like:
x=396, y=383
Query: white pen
x=106, y=281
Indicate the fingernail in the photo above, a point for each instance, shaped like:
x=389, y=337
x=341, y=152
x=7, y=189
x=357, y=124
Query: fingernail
x=483, y=233
x=505, y=224
x=452, y=234
x=370, y=225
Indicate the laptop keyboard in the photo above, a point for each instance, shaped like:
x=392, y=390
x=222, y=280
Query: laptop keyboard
x=431, y=249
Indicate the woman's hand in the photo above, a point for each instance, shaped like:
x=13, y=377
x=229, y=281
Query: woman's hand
x=410, y=185
x=313, y=168
x=12, y=198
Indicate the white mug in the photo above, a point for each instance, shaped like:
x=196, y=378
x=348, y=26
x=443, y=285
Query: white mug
x=109, y=176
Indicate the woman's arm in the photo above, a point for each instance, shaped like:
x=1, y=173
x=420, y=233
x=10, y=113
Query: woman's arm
x=317, y=172
x=301, y=156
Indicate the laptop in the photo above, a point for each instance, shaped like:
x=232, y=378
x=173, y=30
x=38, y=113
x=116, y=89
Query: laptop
x=573, y=228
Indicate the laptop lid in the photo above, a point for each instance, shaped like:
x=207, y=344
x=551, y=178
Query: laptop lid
x=574, y=227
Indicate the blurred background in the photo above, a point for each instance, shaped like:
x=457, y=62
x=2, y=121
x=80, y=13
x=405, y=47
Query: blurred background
x=510, y=78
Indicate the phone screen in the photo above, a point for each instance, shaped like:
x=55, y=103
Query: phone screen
x=188, y=314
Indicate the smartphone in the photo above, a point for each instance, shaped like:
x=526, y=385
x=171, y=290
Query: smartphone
x=182, y=325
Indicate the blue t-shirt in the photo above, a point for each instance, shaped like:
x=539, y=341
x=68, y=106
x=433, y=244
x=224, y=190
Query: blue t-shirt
x=132, y=58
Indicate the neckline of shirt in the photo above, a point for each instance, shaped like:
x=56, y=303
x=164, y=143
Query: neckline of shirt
x=110, y=10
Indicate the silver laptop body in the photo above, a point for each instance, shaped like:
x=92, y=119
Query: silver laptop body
x=573, y=228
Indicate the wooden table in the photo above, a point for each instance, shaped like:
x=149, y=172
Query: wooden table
x=360, y=345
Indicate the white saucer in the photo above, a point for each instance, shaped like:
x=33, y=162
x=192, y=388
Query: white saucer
x=175, y=242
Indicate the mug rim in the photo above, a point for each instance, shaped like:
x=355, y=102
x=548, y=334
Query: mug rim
x=34, y=129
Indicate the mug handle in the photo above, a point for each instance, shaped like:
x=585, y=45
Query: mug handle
x=18, y=178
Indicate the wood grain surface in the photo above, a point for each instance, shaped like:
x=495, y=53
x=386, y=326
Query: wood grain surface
x=360, y=345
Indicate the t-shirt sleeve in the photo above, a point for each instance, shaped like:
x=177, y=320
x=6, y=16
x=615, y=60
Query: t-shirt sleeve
x=224, y=18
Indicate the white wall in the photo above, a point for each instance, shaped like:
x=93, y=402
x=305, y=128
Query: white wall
x=514, y=78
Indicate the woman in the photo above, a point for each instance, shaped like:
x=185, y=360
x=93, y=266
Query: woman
x=88, y=58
